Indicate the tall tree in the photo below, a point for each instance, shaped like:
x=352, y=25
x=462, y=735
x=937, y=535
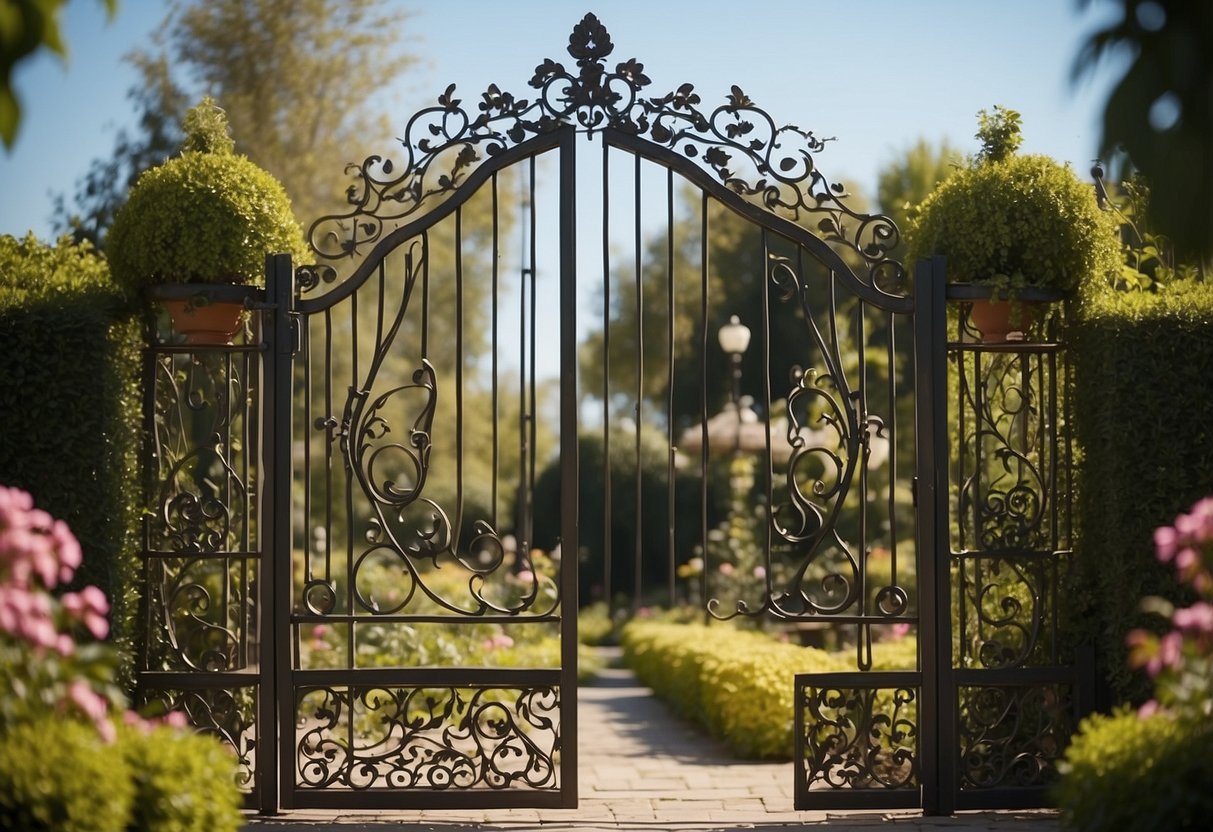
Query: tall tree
x=281, y=69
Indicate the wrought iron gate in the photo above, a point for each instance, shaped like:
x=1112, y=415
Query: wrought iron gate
x=350, y=507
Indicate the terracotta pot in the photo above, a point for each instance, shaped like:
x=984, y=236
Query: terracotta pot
x=211, y=323
x=999, y=320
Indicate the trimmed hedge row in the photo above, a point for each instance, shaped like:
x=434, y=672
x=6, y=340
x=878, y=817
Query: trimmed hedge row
x=57, y=775
x=69, y=403
x=1143, y=391
x=1128, y=774
x=736, y=683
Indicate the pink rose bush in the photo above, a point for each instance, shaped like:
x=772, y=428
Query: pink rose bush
x=51, y=653
x=1181, y=660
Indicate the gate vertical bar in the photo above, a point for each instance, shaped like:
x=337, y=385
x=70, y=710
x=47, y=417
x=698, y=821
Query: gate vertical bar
x=937, y=734
x=275, y=705
x=568, y=470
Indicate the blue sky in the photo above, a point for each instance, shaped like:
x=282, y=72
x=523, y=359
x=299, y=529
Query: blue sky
x=875, y=74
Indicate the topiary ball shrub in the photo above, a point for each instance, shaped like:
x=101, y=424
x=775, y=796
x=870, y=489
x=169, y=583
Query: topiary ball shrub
x=1125, y=773
x=57, y=775
x=208, y=215
x=1015, y=221
x=184, y=782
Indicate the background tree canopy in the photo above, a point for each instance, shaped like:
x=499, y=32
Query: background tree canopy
x=282, y=70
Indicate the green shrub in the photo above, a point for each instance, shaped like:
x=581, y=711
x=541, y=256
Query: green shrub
x=184, y=782
x=1122, y=773
x=1015, y=221
x=1143, y=367
x=57, y=775
x=737, y=683
x=207, y=216
x=69, y=402
x=594, y=625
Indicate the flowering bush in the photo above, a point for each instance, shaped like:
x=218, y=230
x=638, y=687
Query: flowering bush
x=1181, y=661
x=1152, y=769
x=50, y=649
x=63, y=763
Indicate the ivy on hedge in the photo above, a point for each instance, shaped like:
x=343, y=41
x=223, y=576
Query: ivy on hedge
x=69, y=402
x=739, y=684
x=1143, y=369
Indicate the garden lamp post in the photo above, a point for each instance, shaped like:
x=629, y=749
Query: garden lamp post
x=734, y=340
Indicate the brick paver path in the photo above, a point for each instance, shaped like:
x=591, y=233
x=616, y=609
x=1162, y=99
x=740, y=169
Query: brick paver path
x=643, y=769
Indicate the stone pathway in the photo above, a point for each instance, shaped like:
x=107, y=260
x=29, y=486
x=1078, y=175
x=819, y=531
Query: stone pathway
x=643, y=769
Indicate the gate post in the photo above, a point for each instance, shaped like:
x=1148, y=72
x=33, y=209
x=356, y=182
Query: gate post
x=274, y=580
x=937, y=732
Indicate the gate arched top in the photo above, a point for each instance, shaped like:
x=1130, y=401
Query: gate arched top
x=737, y=142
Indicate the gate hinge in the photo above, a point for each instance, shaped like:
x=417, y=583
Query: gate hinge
x=296, y=334
x=914, y=491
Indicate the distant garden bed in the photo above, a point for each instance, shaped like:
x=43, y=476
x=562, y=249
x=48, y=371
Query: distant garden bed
x=738, y=683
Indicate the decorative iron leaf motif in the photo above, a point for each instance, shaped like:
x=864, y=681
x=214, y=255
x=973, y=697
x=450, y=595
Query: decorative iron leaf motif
x=860, y=737
x=441, y=739
x=769, y=165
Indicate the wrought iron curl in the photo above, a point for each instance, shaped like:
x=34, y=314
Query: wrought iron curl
x=440, y=739
x=740, y=143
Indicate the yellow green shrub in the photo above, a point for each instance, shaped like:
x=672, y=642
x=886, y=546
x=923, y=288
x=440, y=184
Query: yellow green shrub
x=739, y=684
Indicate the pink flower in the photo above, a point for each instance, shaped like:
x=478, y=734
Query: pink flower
x=1170, y=647
x=726, y=569
x=94, y=706
x=320, y=631
x=1196, y=618
x=901, y=629
x=89, y=606
x=1148, y=709
x=176, y=719
x=1165, y=540
x=526, y=576
x=760, y=572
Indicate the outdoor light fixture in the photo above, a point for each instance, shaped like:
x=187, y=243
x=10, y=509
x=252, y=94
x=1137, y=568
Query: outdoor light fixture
x=734, y=339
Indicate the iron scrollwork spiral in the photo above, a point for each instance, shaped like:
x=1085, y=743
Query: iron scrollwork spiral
x=861, y=738
x=201, y=596
x=1005, y=499
x=737, y=141
x=429, y=738
x=1013, y=736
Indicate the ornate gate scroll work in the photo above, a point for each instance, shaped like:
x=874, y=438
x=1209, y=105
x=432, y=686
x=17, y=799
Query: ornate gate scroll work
x=739, y=143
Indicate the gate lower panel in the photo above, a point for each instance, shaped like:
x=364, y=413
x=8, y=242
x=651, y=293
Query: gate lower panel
x=857, y=740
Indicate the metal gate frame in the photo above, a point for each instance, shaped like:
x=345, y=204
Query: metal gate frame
x=509, y=130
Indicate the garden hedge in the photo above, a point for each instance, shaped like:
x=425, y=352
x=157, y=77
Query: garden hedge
x=736, y=683
x=69, y=402
x=1123, y=773
x=1143, y=394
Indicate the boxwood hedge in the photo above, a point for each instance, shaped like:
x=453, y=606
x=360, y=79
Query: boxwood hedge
x=1143, y=369
x=736, y=683
x=69, y=403
x=1123, y=773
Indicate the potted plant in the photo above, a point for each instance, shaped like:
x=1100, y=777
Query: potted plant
x=196, y=229
x=1014, y=228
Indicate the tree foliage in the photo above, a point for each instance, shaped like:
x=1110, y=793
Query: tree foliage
x=281, y=70
x=1160, y=112
x=739, y=281
x=27, y=26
